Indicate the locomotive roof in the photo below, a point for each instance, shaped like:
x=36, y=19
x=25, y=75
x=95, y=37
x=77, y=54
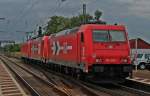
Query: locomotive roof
x=102, y=26
x=67, y=31
x=89, y=26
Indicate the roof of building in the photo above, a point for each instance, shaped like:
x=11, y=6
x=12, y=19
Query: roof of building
x=141, y=44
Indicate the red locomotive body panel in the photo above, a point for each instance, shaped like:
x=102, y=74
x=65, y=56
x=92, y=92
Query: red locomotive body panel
x=36, y=48
x=45, y=50
x=26, y=49
x=90, y=48
x=64, y=49
x=32, y=49
x=68, y=47
x=107, y=52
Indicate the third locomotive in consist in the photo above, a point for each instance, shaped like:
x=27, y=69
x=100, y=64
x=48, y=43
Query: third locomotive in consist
x=98, y=52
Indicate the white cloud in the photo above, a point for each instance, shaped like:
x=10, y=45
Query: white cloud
x=140, y=8
x=125, y=1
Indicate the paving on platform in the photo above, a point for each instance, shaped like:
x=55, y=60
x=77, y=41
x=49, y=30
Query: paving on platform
x=141, y=80
x=8, y=84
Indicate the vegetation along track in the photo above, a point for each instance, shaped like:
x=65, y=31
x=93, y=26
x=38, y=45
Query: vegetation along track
x=37, y=85
x=106, y=90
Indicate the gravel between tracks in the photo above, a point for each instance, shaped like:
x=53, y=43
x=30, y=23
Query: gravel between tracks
x=73, y=92
x=73, y=89
x=41, y=87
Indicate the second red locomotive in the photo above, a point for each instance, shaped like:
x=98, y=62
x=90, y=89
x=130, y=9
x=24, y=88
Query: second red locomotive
x=100, y=52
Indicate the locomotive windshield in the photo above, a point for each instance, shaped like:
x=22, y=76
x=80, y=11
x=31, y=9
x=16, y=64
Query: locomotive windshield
x=108, y=36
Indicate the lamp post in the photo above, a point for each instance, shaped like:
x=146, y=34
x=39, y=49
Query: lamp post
x=84, y=11
x=1, y=18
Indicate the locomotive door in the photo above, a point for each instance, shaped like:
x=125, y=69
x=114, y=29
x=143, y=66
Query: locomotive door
x=80, y=43
x=29, y=49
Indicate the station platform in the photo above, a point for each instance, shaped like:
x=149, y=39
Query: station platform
x=8, y=85
x=141, y=80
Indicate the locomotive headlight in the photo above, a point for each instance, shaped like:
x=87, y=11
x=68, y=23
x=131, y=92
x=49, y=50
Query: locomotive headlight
x=124, y=60
x=98, y=60
x=94, y=55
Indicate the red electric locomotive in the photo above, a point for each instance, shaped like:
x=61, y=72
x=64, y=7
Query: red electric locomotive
x=35, y=49
x=25, y=49
x=99, y=52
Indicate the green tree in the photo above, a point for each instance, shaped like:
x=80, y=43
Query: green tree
x=12, y=48
x=98, y=14
x=58, y=23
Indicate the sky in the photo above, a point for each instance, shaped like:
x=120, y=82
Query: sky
x=25, y=15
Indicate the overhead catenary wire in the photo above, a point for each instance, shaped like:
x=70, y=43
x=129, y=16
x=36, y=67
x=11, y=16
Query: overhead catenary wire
x=16, y=16
x=58, y=6
x=24, y=13
x=31, y=5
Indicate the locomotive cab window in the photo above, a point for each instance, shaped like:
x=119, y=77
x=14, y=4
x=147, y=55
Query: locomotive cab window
x=100, y=36
x=117, y=35
x=108, y=36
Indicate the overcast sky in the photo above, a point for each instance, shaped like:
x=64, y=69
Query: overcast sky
x=24, y=15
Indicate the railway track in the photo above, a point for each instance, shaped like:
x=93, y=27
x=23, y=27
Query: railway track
x=8, y=85
x=110, y=90
x=76, y=89
x=133, y=90
x=140, y=88
x=67, y=87
x=37, y=85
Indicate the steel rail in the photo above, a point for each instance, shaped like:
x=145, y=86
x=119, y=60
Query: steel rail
x=87, y=86
x=76, y=82
x=32, y=91
x=134, y=90
x=102, y=89
x=41, y=79
x=106, y=90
